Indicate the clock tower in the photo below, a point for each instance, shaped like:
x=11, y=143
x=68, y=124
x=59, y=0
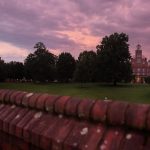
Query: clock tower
x=138, y=52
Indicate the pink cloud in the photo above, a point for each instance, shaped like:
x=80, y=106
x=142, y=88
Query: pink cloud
x=72, y=26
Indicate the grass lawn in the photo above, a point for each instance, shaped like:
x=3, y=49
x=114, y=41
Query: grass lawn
x=132, y=93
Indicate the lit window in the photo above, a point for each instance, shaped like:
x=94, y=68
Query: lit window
x=138, y=69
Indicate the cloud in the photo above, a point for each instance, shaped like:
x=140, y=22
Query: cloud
x=10, y=52
x=73, y=26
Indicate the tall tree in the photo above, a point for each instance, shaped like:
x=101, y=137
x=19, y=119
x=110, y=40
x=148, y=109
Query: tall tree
x=2, y=70
x=114, y=58
x=15, y=70
x=40, y=66
x=65, y=67
x=86, y=67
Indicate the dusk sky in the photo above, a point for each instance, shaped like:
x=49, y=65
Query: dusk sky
x=70, y=25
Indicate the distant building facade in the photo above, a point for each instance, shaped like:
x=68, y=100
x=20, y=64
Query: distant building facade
x=140, y=66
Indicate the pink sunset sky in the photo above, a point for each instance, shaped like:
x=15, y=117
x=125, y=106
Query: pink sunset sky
x=70, y=25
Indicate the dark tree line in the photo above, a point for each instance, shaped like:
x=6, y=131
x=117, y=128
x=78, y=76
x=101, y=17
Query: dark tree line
x=110, y=63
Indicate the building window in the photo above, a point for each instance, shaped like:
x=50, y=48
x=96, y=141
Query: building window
x=138, y=69
x=138, y=60
x=143, y=69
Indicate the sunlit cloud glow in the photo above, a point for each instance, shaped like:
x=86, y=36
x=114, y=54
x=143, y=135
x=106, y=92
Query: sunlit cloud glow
x=72, y=26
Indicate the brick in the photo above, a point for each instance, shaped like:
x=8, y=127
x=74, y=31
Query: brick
x=40, y=103
x=3, y=94
x=50, y=102
x=2, y=106
x=30, y=125
x=46, y=121
x=147, y=145
x=95, y=135
x=83, y=135
x=33, y=100
x=60, y=104
x=4, y=113
x=99, y=111
x=19, y=116
x=17, y=143
x=116, y=113
x=148, y=120
x=26, y=98
x=123, y=127
x=112, y=139
x=132, y=140
x=52, y=137
x=60, y=132
x=84, y=108
x=9, y=118
x=71, y=107
x=136, y=115
x=13, y=96
x=45, y=140
x=7, y=97
x=23, y=122
x=19, y=97
x=55, y=135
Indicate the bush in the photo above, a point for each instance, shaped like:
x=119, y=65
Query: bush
x=147, y=80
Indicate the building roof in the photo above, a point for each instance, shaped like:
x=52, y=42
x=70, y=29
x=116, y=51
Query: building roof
x=143, y=57
x=41, y=121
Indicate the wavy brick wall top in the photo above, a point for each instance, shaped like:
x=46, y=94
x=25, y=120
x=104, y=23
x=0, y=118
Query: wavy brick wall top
x=47, y=122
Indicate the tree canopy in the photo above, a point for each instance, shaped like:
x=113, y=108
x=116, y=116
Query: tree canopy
x=110, y=63
x=2, y=70
x=40, y=65
x=14, y=70
x=114, y=58
x=86, y=67
x=65, y=67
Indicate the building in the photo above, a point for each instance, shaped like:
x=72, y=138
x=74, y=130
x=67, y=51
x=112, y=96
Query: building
x=140, y=66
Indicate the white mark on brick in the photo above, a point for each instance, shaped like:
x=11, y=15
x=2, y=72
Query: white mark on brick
x=38, y=115
x=98, y=130
x=84, y=131
x=128, y=136
x=60, y=116
x=13, y=106
x=18, y=116
x=107, y=100
x=116, y=133
x=58, y=141
x=81, y=115
x=49, y=108
x=29, y=95
x=105, y=142
x=103, y=147
x=75, y=144
x=86, y=146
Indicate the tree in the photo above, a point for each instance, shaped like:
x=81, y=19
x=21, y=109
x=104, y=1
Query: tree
x=40, y=66
x=65, y=67
x=14, y=70
x=86, y=67
x=147, y=80
x=2, y=70
x=114, y=59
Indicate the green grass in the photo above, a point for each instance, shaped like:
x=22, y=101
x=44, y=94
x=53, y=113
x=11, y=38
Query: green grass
x=128, y=92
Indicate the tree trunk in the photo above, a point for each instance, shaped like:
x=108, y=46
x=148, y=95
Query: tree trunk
x=115, y=83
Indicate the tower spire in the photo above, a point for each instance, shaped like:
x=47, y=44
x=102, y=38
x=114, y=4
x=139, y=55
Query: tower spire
x=138, y=47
